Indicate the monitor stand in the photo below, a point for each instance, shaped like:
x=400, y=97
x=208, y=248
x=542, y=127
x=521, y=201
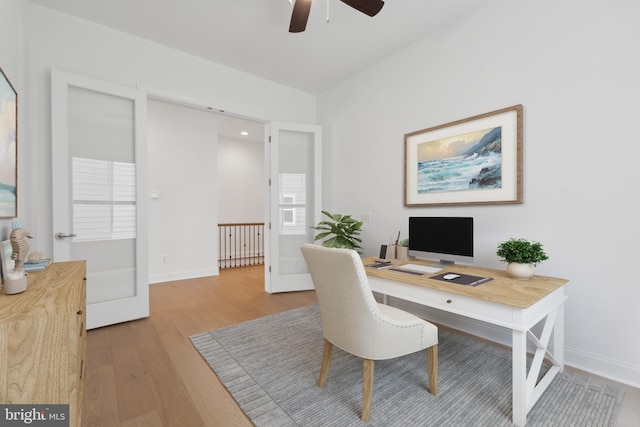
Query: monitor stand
x=443, y=263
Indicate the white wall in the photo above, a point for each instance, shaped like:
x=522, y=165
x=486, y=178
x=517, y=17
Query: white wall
x=14, y=63
x=242, y=181
x=574, y=67
x=183, y=172
x=78, y=46
x=572, y=64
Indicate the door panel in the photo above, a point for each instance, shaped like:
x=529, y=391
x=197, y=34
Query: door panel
x=99, y=188
x=295, y=195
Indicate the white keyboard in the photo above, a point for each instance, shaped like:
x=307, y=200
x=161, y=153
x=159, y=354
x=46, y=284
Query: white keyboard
x=420, y=268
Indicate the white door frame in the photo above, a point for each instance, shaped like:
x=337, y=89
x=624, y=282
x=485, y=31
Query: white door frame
x=305, y=279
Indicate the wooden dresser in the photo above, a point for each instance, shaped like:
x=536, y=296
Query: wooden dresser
x=43, y=339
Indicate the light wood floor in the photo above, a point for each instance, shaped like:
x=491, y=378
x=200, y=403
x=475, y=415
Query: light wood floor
x=147, y=372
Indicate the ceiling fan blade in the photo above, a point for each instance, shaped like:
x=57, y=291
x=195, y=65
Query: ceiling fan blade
x=368, y=7
x=300, y=16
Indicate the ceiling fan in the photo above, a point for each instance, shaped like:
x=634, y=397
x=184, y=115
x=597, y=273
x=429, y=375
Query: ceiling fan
x=301, y=10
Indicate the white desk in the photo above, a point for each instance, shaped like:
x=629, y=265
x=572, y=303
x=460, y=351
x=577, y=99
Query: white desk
x=515, y=304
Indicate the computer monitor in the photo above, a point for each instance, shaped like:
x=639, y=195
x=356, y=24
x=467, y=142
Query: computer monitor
x=447, y=239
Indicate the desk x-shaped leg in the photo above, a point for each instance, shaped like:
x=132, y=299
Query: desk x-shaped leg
x=527, y=389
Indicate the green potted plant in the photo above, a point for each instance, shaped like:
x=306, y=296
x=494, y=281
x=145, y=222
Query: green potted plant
x=341, y=231
x=521, y=256
x=402, y=251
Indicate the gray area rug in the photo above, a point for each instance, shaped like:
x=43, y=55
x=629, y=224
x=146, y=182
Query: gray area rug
x=271, y=365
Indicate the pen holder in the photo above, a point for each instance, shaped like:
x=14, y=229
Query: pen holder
x=391, y=252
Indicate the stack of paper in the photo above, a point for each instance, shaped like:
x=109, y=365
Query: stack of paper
x=36, y=266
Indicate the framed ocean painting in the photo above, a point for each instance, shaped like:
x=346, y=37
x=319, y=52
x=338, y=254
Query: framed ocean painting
x=477, y=160
x=8, y=148
x=6, y=263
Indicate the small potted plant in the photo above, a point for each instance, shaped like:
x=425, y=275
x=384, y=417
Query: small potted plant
x=342, y=231
x=521, y=256
x=402, y=251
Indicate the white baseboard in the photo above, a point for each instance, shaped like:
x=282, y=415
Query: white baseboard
x=182, y=275
x=597, y=365
x=625, y=373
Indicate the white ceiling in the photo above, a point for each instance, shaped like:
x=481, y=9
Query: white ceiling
x=230, y=127
x=252, y=35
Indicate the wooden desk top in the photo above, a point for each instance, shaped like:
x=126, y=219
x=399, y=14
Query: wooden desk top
x=502, y=289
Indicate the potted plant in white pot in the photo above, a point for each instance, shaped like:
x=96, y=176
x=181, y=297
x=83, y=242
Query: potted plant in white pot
x=342, y=231
x=521, y=256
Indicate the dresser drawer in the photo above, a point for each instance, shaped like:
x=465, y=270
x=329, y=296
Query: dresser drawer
x=43, y=340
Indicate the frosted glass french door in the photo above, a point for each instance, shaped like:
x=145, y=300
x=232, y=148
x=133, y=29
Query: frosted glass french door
x=99, y=187
x=294, y=162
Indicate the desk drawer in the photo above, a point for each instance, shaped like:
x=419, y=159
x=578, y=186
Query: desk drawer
x=474, y=308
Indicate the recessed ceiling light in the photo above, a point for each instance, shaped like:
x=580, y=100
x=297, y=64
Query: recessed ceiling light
x=244, y=133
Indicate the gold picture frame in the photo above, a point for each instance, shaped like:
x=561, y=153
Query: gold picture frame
x=473, y=161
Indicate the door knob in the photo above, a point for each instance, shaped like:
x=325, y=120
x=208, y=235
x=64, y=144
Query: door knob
x=61, y=236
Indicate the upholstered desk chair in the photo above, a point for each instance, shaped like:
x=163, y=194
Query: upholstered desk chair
x=356, y=323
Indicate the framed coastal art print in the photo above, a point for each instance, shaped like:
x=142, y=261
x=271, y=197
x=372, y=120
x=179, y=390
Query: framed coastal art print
x=477, y=160
x=8, y=148
x=6, y=263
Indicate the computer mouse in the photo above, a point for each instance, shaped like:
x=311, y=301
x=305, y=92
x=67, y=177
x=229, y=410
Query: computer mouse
x=450, y=276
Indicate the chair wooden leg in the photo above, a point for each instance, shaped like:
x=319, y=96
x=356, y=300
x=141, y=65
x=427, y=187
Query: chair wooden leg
x=326, y=362
x=367, y=388
x=432, y=368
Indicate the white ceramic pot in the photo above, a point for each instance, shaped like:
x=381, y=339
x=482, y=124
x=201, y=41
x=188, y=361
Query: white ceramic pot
x=520, y=271
x=15, y=282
